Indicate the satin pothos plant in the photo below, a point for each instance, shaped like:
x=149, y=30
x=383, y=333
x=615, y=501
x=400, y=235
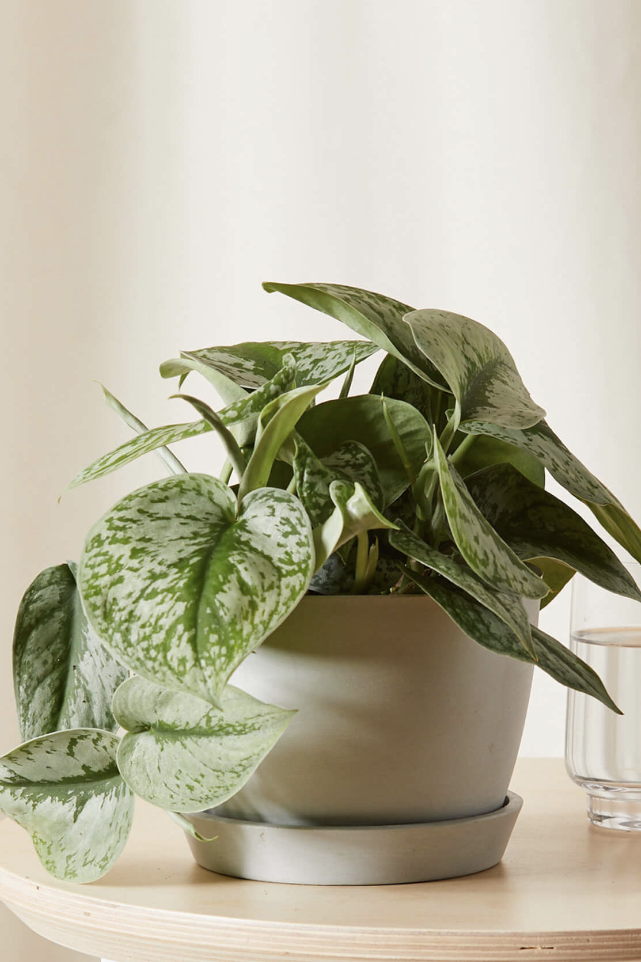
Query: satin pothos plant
x=432, y=482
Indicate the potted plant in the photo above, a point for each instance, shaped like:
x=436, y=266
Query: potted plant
x=369, y=560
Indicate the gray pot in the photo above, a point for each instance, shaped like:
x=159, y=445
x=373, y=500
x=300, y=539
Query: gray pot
x=402, y=721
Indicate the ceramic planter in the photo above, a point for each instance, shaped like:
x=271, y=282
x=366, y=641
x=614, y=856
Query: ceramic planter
x=405, y=727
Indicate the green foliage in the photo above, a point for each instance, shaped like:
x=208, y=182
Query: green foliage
x=432, y=482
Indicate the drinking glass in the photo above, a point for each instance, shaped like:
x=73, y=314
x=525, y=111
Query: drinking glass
x=602, y=749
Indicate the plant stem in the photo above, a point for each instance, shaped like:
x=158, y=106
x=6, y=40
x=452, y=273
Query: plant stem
x=226, y=472
x=450, y=429
x=362, y=558
x=463, y=447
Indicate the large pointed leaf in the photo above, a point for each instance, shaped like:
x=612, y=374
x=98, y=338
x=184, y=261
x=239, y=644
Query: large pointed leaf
x=63, y=675
x=536, y=524
x=565, y=468
x=275, y=427
x=66, y=791
x=477, y=366
x=374, y=316
x=491, y=632
x=181, y=589
x=253, y=363
x=394, y=379
x=507, y=607
x=483, y=549
x=329, y=425
x=353, y=514
x=182, y=754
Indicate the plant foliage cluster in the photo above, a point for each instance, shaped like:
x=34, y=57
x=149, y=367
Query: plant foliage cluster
x=432, y=482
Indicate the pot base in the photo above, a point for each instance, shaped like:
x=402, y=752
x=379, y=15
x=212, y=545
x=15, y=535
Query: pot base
x=354, y=855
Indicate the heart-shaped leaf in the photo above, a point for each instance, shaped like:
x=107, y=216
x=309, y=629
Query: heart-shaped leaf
x=536, y=524
x=63, y=675
x=565, y=468
x=483, y=549
x=507, y=607
x=182, y=754
x=66, y=791
x=328, y=426
x=253, y=363
x=491, y=632
x=374, y=316
x=181, y=588
x=353, y=514
x=477, y=366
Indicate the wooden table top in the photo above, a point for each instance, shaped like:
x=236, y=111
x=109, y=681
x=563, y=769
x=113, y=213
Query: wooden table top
x=564, y=890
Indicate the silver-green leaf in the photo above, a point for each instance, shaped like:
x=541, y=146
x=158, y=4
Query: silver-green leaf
x=477, y=366
x=253, y=363
x=535, y=524
x=353, y=514
x=63, y=675
x=571, y=474
x=170, y=460
x=483, y=549
x=181, y=588
x=375, y=316
x=180, y=753
x=66, y=791
x=509, y=608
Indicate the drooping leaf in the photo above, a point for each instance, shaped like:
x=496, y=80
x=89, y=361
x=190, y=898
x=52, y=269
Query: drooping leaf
x=477, y=366
x=509, y=609
x=329, y=425
x=276, y=423
x=234, y=453
x=374, y=316
x=483, y=549
x=181, y=588
x=484, y=451
x=353, y=514
x=253, y=363
x=66, y=791
x=63, y=675
x=565, y=468
x=486, y=628
x=170, y=460
x=180, y=753
x=394, y=379
x=536, y=524
x=182, y=366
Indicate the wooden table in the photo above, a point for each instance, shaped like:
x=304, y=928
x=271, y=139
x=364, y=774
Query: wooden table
x=564, y=891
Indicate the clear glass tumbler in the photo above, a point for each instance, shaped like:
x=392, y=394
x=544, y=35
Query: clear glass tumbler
x=602, y=749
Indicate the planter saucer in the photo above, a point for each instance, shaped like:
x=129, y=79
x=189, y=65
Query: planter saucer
x=354, y=855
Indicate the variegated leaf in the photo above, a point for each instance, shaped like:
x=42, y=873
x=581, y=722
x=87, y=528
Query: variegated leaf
x=374, y=316
x=63, y=675
x=181, y=588
x=483, y=549
x=187, y=363
x=536, y=524
x=253, y=363
x=170, y=460
x=66, y=791
x=182, y=754
x=275, y=426
x=509, y=609
x=353, y=514
x=565, y=468
x=486, y=628
x=394, y=379
x=477, y=366
x=351, y=462
x=329, y=425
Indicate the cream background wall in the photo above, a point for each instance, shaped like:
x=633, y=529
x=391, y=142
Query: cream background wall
x=159, y=158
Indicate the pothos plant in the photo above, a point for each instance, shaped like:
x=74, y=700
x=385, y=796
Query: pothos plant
x=432, y=482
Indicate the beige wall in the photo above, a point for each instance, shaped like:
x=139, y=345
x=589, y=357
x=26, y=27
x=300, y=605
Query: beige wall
x=159, y=158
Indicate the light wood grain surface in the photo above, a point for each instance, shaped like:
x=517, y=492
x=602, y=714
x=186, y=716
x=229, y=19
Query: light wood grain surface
x=564, y=890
